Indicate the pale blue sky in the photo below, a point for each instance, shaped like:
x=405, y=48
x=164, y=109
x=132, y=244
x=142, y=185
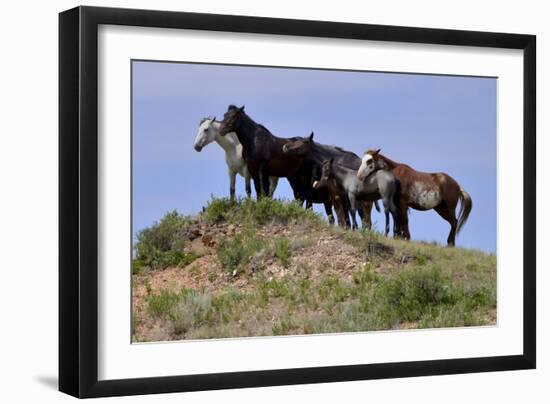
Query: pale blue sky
x=433, y=123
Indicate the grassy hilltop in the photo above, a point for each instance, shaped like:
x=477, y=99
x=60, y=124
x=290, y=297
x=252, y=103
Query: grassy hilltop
x=273, y=268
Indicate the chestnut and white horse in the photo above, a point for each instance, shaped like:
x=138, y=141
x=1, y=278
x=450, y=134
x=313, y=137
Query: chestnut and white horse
x=209, y=131
x=422, y=191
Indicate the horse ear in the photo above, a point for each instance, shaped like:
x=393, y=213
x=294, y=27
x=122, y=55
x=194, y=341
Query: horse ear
x=214, y=119
x=311, y=136
x=376, y=152
x=331, y=160
x=241, y=109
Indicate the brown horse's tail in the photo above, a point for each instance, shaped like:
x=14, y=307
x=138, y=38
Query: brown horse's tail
x=465, y=209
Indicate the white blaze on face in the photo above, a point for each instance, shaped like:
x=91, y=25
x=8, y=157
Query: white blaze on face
x=367, y=166
x=424, y=196
x=204, y=136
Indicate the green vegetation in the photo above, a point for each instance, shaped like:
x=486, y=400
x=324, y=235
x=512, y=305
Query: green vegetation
x=281, y=271
x=235, y=252
x=416, y=297
x=162, y=304
x=282, y=251
x=265, y=211
x=162, y=244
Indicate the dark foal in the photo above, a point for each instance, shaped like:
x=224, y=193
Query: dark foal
x=422, y=191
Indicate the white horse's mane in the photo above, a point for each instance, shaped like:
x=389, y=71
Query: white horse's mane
x=206, y=118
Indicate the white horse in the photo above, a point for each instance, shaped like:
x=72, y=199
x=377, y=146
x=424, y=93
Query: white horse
x=209, y=131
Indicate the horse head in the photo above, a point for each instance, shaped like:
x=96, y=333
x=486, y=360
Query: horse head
x=326, y=174
x=206, y=133
x=231, y=119
x=369, y=163
x=299, y=147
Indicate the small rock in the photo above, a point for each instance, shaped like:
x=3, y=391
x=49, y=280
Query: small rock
x=193, y=233
x=208, y=240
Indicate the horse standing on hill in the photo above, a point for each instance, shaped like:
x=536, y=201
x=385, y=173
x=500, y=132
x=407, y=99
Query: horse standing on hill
x=209, y=131
x=422, y=191
x=264, y=156
x=313, y=155
x=262, y=150
x=379, y=184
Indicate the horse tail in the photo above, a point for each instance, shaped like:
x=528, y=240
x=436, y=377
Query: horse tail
x=465, y=209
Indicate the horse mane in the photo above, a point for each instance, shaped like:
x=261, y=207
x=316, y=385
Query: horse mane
x=206, y=118
x=345, y=151
x=263, y=127
x=391, y=163
x=338, y=149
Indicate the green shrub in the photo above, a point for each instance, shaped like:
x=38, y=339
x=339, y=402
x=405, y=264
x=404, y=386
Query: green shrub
x=138, y=267
x=332, y=290
x=283, y=326
x=273, y=210
x=227, y=305
x=421, y=257
x=162, y=244
x=264, y=211
x=235, y=252
x=413, y=292
x=162, y=304
x=217, y=209
x=192, y=311
x=282, y=251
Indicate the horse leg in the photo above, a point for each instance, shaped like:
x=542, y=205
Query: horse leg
x=346, y=209
x=353, y=209
x=340, y=213
x=264, y=178
x=309, y=204
x=232, y=175
x=387, y=217
x=273, y=181
x=247, y=184
x=396, y=220
x=404, y=219
x=394, y=213
x=257, y=187
x=367, y=210
x=448, y=213
x=328, y=211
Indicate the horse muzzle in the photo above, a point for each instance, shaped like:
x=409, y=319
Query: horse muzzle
x=198, y=148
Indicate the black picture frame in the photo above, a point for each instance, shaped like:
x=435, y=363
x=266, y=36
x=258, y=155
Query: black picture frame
x=78, y=201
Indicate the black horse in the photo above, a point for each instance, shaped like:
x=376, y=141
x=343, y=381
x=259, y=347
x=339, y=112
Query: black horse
x=262, y=151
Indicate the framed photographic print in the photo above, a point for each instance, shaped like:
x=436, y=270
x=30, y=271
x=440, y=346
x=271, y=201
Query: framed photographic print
x=251, y=201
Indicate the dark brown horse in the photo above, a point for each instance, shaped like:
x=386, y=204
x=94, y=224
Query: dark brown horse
x=313, y=155
x=422, y=191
